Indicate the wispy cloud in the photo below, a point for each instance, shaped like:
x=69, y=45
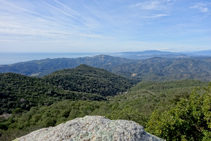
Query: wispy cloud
x=156, y=16
x=44, y=21
x=149, y=5
x=154, y=8
x=200, y=6
x=101, y=22
x=154, y=4
x=101, y=7
x=67, y=14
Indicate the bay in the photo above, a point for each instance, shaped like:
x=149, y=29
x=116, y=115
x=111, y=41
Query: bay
x=11, y=58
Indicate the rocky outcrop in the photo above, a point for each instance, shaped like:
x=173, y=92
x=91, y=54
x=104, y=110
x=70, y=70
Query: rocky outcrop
x=92, y=128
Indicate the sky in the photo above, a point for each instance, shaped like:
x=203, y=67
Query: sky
x=104, y=25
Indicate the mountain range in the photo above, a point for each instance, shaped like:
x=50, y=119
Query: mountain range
x=151, y=69
x=66, y=89
x=165, y=69
x=155, y=53
x=47, y=66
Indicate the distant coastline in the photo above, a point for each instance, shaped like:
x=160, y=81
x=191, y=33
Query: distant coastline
x=11, y=58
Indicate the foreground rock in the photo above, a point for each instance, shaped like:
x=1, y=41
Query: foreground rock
x=92, y=128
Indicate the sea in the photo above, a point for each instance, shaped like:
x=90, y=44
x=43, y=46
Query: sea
x=11, y=58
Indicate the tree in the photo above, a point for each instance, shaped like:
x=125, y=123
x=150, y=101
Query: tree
x=190, y=119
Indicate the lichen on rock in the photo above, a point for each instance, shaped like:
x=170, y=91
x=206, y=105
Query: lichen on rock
x=92, y=128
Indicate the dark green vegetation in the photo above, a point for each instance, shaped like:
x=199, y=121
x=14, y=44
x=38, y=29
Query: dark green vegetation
x=81, y=83
x=165, y=69
x=189, y=120
x=47, y=66
x=166, y=108
x=90, y=80
x=23, y=92
x=153, y=69
x=137, y=104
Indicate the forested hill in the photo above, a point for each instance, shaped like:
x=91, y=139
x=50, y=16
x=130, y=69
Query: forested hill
x=81, y=83
x=137, y=105
x=47, y=66
x=90, y=80
x=23, y=92
x=160, y=69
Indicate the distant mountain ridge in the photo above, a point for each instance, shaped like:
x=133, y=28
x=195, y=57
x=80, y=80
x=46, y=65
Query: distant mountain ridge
x=160, y=69
x=156, y=53
x=149, y=54
x=151, y=69
x=47, y=66
x=200, y=53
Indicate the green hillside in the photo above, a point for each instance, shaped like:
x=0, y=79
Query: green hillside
x=90, y=80
x=70, y=93
x=137, y=105
x=18, y=91
x=188, y=120
x=164, y=69
x=81, y=83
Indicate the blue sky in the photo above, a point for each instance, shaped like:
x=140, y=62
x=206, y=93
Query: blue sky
x=104, y=25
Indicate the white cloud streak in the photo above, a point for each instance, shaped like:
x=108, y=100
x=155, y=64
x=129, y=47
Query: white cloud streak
x=154, y=5
x=156, y=16
x=99, y=23
x=200, y=6
x=154, y=8
x=63, y=12
x=101, y=8
x=149, y=5
x=18, y=23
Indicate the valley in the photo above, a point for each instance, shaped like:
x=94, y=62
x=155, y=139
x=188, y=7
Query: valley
x=118, y=88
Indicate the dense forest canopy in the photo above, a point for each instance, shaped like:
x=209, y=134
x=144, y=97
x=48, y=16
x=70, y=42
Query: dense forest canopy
x=81, y=83
x=173, y=110
x=88, y=79
x=137, y=104
x=190, y=119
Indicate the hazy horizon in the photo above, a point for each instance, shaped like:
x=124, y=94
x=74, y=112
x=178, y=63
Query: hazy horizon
x=17, y=57
x=11, y=58
x=108, y=52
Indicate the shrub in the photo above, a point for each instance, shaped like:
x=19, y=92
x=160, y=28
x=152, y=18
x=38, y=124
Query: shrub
x=3, y=126
x=190, y=119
